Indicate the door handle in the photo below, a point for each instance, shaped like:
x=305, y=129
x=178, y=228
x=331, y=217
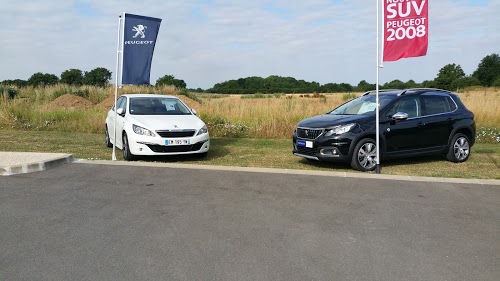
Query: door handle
x=421, y=124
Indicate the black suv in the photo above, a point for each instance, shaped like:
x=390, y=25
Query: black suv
x=411, y=122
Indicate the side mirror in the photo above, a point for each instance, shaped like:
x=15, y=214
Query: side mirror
x=193, y=111
x=400, y=116
x=120, y=111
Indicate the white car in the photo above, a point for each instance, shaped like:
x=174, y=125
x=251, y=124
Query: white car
x=148, y=124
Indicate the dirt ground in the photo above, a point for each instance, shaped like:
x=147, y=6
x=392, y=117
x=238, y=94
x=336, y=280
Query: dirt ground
x=71, y=101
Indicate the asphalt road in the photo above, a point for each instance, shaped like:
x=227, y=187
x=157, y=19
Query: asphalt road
x=106, y=222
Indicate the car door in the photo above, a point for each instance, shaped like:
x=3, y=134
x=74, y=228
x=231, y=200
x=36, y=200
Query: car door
x=403, y=136
x=120, y=121
x=111, y=121
x=437, y=108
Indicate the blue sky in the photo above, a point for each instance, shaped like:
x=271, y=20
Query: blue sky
x=205, y=42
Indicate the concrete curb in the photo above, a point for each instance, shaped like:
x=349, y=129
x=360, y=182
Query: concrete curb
x=50, y=162
x=293, y=172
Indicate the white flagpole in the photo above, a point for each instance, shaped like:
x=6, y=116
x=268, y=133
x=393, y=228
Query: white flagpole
x=377, y=126
x=118, y=56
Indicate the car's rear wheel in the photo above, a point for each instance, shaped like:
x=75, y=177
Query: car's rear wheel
x=127, y=155
x=364, y=157
x=108, y=140
x=459, y=149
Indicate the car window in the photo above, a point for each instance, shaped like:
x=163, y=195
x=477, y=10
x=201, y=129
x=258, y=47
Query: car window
x=362, y=105
x=157, y=106
x=119, y=101
x=123, y=104
x=408, y=105
x=437, y=104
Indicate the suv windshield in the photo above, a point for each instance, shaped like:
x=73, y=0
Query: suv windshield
x=362, y=105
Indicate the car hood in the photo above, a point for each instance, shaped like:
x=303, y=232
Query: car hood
x=328, y=120
x=167, y=122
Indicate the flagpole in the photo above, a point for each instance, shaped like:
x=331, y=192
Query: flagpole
x=118, y=51
x=377, y=126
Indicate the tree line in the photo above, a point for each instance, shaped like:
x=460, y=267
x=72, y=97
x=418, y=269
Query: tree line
x=449, y=77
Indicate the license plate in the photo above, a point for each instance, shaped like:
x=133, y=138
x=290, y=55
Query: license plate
x=177, y=142
x=304, y=143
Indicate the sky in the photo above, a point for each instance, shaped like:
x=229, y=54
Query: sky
x=205, y=42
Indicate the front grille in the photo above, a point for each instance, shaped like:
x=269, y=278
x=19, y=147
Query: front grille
x=176, y=148
x=310, y=134
x=176, y=134
x=307, y=151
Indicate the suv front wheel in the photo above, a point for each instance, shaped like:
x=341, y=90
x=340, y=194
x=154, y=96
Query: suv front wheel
x=459, y=149
x=364, y=157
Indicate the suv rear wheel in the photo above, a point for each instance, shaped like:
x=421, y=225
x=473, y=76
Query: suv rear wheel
x=364, y=157
x=459, y=149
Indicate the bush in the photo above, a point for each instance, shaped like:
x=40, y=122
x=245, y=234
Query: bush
x=348, y=96
x=8, y=92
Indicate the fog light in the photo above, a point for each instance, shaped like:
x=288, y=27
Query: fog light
x=330, y=152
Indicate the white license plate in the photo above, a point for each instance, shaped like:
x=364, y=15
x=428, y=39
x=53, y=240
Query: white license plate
x=304, y=143
x=177, y=142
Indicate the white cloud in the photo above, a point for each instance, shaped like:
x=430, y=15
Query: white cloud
x=206, y=42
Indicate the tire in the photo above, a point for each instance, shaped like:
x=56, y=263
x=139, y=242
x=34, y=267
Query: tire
x=364, y=156
x=127, y=155
x=459, y=149
x=108, y=140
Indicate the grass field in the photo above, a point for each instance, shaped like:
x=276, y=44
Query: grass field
x=269, y=116
x=483, y=163
x=250, y=131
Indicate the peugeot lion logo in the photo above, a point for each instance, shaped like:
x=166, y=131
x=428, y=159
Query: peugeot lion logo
x=139, y=30
x=307, y=133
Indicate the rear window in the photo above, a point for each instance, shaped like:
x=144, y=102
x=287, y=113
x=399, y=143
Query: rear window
x=437, y=104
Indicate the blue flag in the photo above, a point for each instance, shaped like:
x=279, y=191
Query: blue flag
x=139, y=39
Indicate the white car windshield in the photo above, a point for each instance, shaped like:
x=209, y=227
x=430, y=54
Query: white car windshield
x=157, y=106
x=362, y=105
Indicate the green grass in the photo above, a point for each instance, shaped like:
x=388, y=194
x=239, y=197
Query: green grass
x=484, y=162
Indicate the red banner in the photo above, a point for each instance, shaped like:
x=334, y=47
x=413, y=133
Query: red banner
x=406, y=29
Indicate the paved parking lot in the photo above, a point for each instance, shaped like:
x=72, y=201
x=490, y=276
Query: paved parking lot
x=109, y=222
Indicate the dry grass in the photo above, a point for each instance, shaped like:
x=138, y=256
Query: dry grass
x=485, y=103
x=271, y=116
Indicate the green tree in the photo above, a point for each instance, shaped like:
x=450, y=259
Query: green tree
x=72, y=77
x=170, y=80
x=488, y=70
x=468, y=81
x=16, y=82
x=496, y=83
x=364, y=86
x=99, y=76
x=447, y=75
x=42, y=79
x=395, y=84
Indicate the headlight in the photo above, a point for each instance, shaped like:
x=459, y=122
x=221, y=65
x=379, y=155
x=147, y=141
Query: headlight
x=142, y=131
x=203, y=130
x=339, y=130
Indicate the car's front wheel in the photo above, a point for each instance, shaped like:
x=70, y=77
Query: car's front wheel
x=364, y=157
x=127, y=155
x=459, y=149
x=108, y=140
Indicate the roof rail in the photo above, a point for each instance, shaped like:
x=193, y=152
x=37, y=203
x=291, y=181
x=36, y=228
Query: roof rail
x=383, y=90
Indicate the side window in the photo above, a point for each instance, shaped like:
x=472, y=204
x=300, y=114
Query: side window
x=119, y=101
x=123, y=105
x=409, y=105
x=437, y=104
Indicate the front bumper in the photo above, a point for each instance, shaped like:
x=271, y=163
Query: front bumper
x=146, y=145
x=323, y=149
